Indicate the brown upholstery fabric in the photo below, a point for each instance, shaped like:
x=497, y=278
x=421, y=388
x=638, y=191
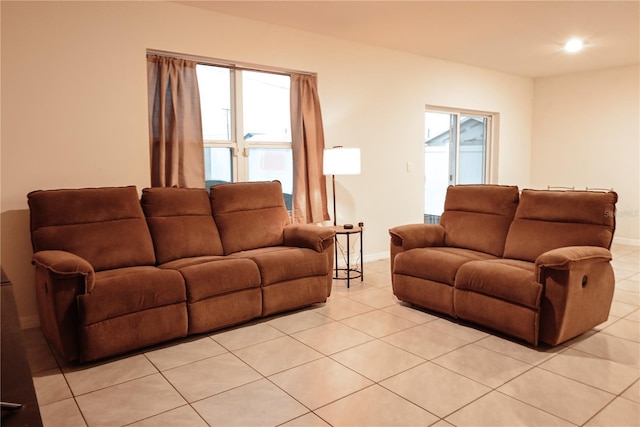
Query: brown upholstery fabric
x=425, y=293
x=224, y=310
x=180, y=223
x=249, y=215
x=133, y=331
x=547, y=220
x=129, y=290
x=437, y=264
x=478, y=216
x=105, y=226
x=501, y=279
x=292, y=294
x=220, y=277
x=292, y=263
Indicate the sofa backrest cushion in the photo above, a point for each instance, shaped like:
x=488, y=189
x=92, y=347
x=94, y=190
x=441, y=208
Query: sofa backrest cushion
x=548, y=220
x=105, y=226
x=249, y=215
x=478, y=216
x=180, y=222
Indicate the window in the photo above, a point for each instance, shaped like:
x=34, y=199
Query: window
x=246, y=125
x=456, y=147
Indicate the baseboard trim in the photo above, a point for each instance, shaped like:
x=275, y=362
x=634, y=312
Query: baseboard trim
x=626, y=241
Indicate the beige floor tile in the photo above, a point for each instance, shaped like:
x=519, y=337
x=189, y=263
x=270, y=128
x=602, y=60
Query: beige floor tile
x=277, y=355
x=634, y=316
x=592, y=370
x=51, y=386
x=627, y=297
x=207, y=377
x=307, y=420
x=129, y=402
x=378, y=323
x=38, y=351
x=497, y=410
x=320, y=382
x=332, y=337
x=257, y=404
x=482, y=365
x=424, y=342
x=633, y=392
x=378, y=266
x=377, y=360
x=64, y=413
x=620, y=309
x=184, y=353
x=630, y=284
x=375, y=406
x=441, y=423
x=87, y=378
x=245, y=336
x=342, y=308
x=610, y=348
x=296, y=322
x=436, y=389
x=378, y=279
x=378, y=298
x=560, y=396
x=621, y=412
x=464, y=332
x=410, y=313
x=184, y=416
x=517, y=350
x=623, y=328
x=623, y=273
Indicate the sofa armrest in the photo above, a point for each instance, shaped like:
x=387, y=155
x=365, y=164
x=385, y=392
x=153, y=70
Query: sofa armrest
x=578, y=284
x=62, y=263
x=417, y=235
x=564, y=258
x=309, y=236
x=60, y=277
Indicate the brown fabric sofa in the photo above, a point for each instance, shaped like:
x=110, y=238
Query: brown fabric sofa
x=533, y=265
x=116, y=272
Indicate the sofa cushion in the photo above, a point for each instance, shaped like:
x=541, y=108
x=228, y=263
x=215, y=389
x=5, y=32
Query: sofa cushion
x=181, y=223
x=435, y=264
x=249, y=215
x=547, y=220
x=129, y=290
x=286, y=263
x=219, y=277
x=509, y=280
x=478, y=216
x=105, y=226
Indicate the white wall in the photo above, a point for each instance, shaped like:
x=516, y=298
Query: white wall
x=74, y=109
x=587, y=134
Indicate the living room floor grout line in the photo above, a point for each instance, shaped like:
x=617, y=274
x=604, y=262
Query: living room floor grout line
x=367, y=287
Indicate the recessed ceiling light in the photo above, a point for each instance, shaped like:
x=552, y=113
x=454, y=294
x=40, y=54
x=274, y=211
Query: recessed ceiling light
x=573, y=45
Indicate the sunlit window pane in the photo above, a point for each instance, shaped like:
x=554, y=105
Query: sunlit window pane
x=215, y=102
x=268, y=164
x=217, y=165
x=266, y=108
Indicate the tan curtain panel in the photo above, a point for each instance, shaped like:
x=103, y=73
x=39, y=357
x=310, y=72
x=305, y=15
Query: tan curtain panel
x=175, y=124
x=309, y=184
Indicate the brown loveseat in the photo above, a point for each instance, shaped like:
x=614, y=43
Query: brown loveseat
x=115, y=273
x=534, y=265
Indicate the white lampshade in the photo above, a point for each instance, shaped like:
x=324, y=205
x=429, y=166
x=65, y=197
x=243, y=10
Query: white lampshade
x=341, y=161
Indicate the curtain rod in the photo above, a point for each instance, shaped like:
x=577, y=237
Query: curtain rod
x=226, y=63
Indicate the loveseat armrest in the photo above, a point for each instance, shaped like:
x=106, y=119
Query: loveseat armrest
x=309, y=236
x=412, y=236
x=564, y=258
x=578, y=284
x=62, y=263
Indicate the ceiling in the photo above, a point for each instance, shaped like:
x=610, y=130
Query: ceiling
x=517, y=37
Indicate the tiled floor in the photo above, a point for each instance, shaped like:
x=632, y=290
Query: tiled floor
x=362, y=358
